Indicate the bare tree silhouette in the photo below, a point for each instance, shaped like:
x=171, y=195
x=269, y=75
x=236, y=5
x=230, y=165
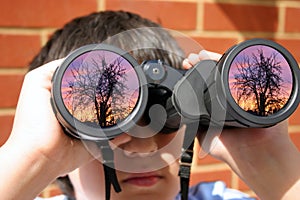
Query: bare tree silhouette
x=97, y=90
x=258, y=80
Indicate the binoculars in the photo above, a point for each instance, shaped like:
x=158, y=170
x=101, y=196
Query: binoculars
x=101, y=91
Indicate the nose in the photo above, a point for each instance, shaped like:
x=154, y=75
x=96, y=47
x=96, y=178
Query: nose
x=140, y=147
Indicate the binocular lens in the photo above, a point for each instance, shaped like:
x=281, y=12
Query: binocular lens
x=98, y=92
x=100, y=88
x=260, y=80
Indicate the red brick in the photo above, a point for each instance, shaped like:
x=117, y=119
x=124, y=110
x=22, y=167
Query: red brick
x=207, y=160
x=188, y=44
x=6, y=125
x=43, y=13
x=10, y=86
x=175, y=15
x=295, y=117
x=219, y=45
x=55, y=191
x=221, y=16
x=292, y=45
x=224, y=175
x=202, y=157
x=296, y=139
x=18, y=50
x=292, y=16
x=242, y=185
x=196, y=44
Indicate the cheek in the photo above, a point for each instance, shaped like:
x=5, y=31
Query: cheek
x=173, y=180
x=164, y=139
x=173, y=170
x=170, y=145
x=174, y=139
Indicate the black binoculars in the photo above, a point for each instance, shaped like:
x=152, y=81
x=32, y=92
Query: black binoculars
x=100, y=91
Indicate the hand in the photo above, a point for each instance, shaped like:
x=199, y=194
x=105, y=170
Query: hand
x=193, y=58
x=38, y=151
x=36, y=123
x=265, y=158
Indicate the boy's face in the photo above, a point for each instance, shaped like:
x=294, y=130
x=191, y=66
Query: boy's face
x=147, y=168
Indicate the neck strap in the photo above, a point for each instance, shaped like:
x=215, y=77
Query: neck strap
x=187, y=159
x=109, y=169
x=185, y=171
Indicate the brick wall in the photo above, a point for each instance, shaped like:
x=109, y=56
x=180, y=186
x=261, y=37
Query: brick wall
x=215, y=24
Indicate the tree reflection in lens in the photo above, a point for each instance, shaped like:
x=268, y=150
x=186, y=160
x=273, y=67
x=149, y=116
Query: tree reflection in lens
x=100, y=88
x=260, y=80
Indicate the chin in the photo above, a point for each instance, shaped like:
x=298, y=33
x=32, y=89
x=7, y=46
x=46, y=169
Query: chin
x=152, y=192
x=141, y=195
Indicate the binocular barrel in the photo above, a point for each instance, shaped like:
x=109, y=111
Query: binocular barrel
x=101, y=91
x=254, y=84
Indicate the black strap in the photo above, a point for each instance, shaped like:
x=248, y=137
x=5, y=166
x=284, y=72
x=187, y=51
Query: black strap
x=187, y=159
x=109, y=169
x=185, y=171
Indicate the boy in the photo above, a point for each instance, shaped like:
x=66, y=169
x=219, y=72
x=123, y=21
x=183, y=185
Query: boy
x=38, y=151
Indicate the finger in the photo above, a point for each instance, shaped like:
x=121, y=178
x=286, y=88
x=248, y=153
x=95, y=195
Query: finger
x=190, y=61
x=193, y=58
x=48, y=68
x=186, y=64
x=208, y=55
x=41, y=76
